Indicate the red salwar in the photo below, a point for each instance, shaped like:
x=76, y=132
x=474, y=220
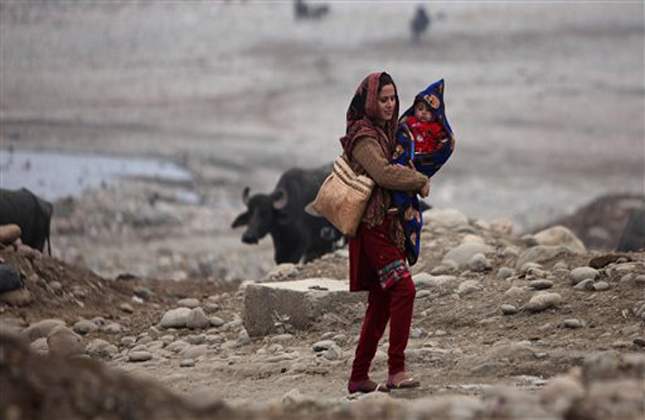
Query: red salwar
x=377, y=265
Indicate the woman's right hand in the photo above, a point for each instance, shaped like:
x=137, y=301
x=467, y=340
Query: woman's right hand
x=425, y=191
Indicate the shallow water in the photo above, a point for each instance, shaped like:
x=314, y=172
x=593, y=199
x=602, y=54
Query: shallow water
x=55, y=175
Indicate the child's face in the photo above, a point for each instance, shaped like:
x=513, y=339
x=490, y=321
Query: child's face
x=422, y=112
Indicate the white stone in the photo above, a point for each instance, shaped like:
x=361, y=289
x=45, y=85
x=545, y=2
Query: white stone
x=175, y=318
x=296, y=303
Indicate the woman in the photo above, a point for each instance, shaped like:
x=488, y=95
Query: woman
x=376, y=253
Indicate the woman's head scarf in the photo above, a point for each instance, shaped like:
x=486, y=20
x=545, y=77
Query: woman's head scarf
x=363, y=117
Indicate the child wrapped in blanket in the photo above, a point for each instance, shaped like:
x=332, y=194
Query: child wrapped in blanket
x=425, y=141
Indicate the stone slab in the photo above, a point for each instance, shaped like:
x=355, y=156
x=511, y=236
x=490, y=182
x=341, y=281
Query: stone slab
x=299, y=303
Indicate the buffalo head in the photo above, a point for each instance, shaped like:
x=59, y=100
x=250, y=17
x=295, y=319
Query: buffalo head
x=263, y=212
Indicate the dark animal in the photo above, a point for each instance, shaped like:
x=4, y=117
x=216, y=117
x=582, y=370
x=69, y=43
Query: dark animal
x=419, y=23
x=281, y=214
x=31, y=213
x=633, y=236
x=306, y=11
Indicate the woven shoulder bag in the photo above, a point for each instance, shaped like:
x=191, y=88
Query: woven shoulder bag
x=343, y=197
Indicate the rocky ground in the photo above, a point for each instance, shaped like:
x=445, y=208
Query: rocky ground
x=504, y=327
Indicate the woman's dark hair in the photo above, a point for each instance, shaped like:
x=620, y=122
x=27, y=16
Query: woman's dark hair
x=384, y=80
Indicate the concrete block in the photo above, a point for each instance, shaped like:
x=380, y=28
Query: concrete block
x=299, y=303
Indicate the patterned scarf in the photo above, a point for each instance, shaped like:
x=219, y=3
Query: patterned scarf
x=362, y=120
x=426, y=163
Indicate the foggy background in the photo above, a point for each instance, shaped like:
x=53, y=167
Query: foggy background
x=547, y=99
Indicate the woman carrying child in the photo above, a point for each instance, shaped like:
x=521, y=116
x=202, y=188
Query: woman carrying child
x=377, y=262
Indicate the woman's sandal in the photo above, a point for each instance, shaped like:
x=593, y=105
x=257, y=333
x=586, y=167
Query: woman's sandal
x=366, y=387
x=402, y=383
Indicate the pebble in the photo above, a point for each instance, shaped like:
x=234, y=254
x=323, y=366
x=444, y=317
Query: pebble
x=510, y=252
x=468, y=287
x=127, y=308
x=441, y=269
x=216, y=321
x=416, y=332
x=640, y=279
x=210, y=308
x=542, y=301
x=196, y=339
x=573, y=323
x=128, y=341
x=197, y=319
x=585, y=285
x=177, y=346
x=101, y=348
x=282, y=338
x=187, y=363
x=422, y=294
x=508, y=309
x=193, y=352
x=112, y=328
x=55, y=286
x=582, y=273
x=504, y=272
x=333, y=353
x=639, y=341
x=340, y=339
x=175, y=318
x=190, y=303
x=139, y=356
x=42, y=328
x=479, y=263
x=85, y=326
x=322, y=345
x=144, y=339
x=601, y=286
x=63, y=342
x=541, y=284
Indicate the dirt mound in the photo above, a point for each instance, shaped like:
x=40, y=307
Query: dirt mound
x=68, y=292
x=600, y=223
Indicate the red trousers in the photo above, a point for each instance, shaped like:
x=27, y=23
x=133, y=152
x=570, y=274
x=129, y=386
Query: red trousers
x=377, y=263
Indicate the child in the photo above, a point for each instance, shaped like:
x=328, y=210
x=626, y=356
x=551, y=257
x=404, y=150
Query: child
x=424, y=141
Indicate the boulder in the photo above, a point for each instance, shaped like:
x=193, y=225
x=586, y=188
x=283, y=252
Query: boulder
x=296, y=303
x=175, y=318
x=560, y=235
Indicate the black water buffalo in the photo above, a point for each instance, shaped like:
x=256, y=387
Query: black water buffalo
x=281, y=214
x=633, y=236
x=31, y=213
